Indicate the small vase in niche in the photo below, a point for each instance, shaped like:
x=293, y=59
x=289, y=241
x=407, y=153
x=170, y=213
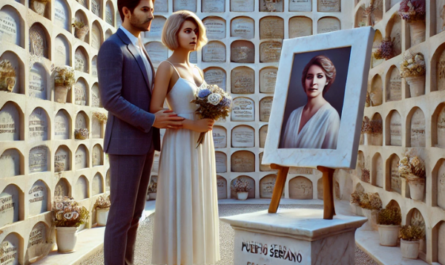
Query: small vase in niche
x=413, y=70
x=39, y=6
x=413, y=12
x=63, y=81
x=410, y=237
x=7, y=76
x=81, y=29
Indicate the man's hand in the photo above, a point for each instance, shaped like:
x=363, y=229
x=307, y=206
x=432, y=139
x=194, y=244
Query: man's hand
x=167, y=119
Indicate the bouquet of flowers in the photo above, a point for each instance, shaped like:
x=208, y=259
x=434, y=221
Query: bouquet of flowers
x=385, y=51
x=214, y=103
x=102, y=202
x=413, y=65
x=101, y=117
x=68, y=213
x=241, y=186
x=411, y=166
x=412, y=10
x=64, y=76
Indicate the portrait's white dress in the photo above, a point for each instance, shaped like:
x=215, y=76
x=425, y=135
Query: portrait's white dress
x=186, y=223
x=320, y=131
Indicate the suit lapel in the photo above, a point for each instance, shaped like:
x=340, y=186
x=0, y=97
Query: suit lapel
x=152, y=68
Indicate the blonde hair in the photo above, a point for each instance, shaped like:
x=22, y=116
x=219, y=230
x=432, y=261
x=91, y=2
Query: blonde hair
x=174, y=24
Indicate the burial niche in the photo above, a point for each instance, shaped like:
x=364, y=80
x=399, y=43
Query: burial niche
x=377, y=130
x=265, y=108
x=242, y=27
x=81, y=92
x=189, y=5
x=440, y=71
x=10, y=26
x=263, y=135
x=417, y=130
x=219, y=136
x=38, y=41
x=94, y=66
x=328, y=24
x=264, y=168
x=243, y=80
x=18, y=68
x=375, y=46
x=98, y=184
x=361, y=17
x=38, y=82
x=161, y=6
x=10, y=163
x=39, y=244
x=328, y=5
x=250, y=185
x=271, y=6
x=62, y=189
x=215, y=26
x=300, y=26
x=156, y=26
x=268, y=78
x=61, y=51
x=378, y=170
x=243, y=136
x=95, y=94
x=61, y=14
x=108, y=33
x=38, y=125
x=376, y=93
x=441, y=241
x=394, y=85
x=96, y=37
x=395, y=129
x=9, y=205
x=39, y=159
x=81, y=120
x=221, y=162
x=439, y=126
x=98, y=155
x=96, y=128
x=109, y=13
x=221, y=187
x=271, y=28
x=215, y=76
x=300, y=5
x=243, y=161
x=301, y=188
x=243, y=109
x=62, y=125
x=10, y=124
x=81, y=190
x=242, y=5
x=81, y=60
x=62, y=159
x=11, y=251
x=441, y=184
x=267, y=184
x=157, y=52
x=214, y=52
x=213, y=6
x=270, y=51
x=394, y=30
x=96, y=6
x=38, y=198
x=242, y=52
x=396, y=184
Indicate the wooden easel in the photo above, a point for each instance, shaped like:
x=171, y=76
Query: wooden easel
x=328, y=187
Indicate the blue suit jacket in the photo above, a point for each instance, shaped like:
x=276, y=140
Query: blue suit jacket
x=125, y=93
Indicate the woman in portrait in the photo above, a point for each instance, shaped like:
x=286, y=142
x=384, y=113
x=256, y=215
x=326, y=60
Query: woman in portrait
x=316, y=124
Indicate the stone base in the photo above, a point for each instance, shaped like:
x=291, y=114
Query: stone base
x=293, y=237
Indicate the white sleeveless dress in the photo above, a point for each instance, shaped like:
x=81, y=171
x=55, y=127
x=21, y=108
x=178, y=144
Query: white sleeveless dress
x=186, y=223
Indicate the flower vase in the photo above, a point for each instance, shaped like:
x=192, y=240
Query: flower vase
x=242, y=196
x=388, y=235
x=38, y=7
x=416, y=187
x=416, y=85
x=372, y=218
x=82, y=32
x=417, y=32
x=7, y=83
x=102, y=216
x=409, y=249
x=61, y=93
x=66, y=239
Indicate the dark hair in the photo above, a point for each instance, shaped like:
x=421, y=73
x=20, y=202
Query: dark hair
x=130, y=4
x=328, y=68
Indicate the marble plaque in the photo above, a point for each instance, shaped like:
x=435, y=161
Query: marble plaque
x=61, y=14
x=328, y=24
x=243, y=80
x=268, y=78
x=242, y=27
x=243, y=109
x=37, y=242
x=95, y=94
x=215, y=27
x=98, y=184
x=221, y=187
x=96, y=37
x=440, y=72
x=189, y=5
x=301, y=170
x=157, y=52
x=97, y=155
x=213, y=6
x=320, y=189
x=62, y=188
x=38, y=42
x=62, y=160
x=38, y=198
x=10, y=162
x=378, y=171
x=395, y=128
x=10, y=250
x=156, y=26
x=300, y=27
x=265, y=108
x=107, y=187
x=396, y=34
x=80, y=60
x=38, y=82
x=301, y=188
x=62, y=126
x=270, y=52
x=441, y=128
x=161, y=6
x=61, y=51
x=266, y=186
x=219, y=136
x=394, y=87
x=263, y=135
x=243, y=161
x=194, y=57
x=441, y=185
x=221, y=162
x=16, y=64
x=38, y=125
x=81, y=157
x=271, y=28
x=96, y=6
x=242, y=52
x=81, y=120
x=215, y=76
x=242, y=5
x=109, y=16
x=361, y=17
x=376, y=94
x=9, y=123
x=38, y=159
x=243, y=136
x=81, y=190
x=214, y=52
x=264, y=168
x=328, y=5
x=418, y=129
x=10, y=30
x=300, y=5
x=94, y=67
x=396, y=183
x=81, y=92
x=96, y=128
x=250, y=184
x=9, y=205
x=271, y=6
x=441, y=240
x=108, y=34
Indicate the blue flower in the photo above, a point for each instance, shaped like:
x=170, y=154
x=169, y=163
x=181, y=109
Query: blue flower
x=204, y=93
x=225, y=102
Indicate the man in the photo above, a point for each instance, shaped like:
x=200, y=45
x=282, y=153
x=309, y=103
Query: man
x=132, y=134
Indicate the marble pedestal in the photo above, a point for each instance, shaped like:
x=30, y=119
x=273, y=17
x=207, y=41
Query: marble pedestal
x=299, y=236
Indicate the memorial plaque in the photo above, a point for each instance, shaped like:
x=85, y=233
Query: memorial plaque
x=81, y=157
x=441, y=185
x=38, y=125
x=396, y=184
x=395, y=128
x=250, y=185
x=320, y=189
x=95, y=94
x=214, y=52
x=271, y=28
x=94, y=67
x=61, y=14
x=243, y=161
x=156, y=26
x=96, y=128
x=263, y=135
x=270, y=52
x=221, y=162
x=62, y=126
x=10, y=162
x=97, y=156
x=215, y=27
x=243, y=80
x=265, y=108
x=242, y=52
x=38, y=198
x=418, y=129
x=96, y=6
x=441, y=128
x=394, y=87
x=193, y=58
x=38, y=159
x=62, y=159
x=9, y=254
x=440, y=72
x=38, y=245
x=81, y=92
x=80, y=61
x=213, y=6
x=98, y=184
x=300, y=27
x=328, y=5
x=301, y=188
x=266, y=186
x=268, y=78
x=242, y=5
x=378, y=171
x=9, y=205
x=300, y=5
x=108, y=181
x=157, y=52
x=301, y=170
x=221, y=187
x=328, y=24
x=38, y=82
x=9, y=123
x=109, y=16
x=81, y=191
x=108, y=34
x=96, y=37
x=243, y=109
x=62, y=189
x=396, y=34
x=161, y=6
x=242, y=27
x=38, y=43
x=441, y=241
x=81, y=120
x=62, y=51
x=215, y=76
x=243, y=136
x=219, y=136
x=271, y=6
x=265, y=168
x=10, y=30
x=189, y=5
x=376, y=95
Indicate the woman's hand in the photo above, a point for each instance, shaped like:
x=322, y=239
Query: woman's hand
x=203, y=125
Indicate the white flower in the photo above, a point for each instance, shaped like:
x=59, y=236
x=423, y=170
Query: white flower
x=59, y=206
x=214, y=99
x=68, y=216
x=410, y=61
x=418, y=58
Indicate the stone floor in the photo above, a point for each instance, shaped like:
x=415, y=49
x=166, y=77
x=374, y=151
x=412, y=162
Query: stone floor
x=145, y=235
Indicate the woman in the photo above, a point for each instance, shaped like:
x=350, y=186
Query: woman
x=186, y=224
x=316, y=124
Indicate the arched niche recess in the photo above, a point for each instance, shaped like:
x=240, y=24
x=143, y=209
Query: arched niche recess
x=98, y=155
x=264, y=168
x=328, y=24
x=301, y=188
x=271, y=6
x=221, y=162
x=39, y=125
x=216, y=76
x=393, y=177
x=12, y=249
x=38, y=83
x=267, y=184
x=415, y=217
x=438, y=126
x=243, y=161
x=81, y=190
x=95, y=94
x=221, y=183
x=39, y=198
x=376, y=93
x=94, y=66
x=242, y=5
x=108, y=181
x=98, y=184
x=438, y=69
x=394, y=32
x=242, y=51
x=96, y=131
x=361, y=18
x=18, y=66
x=219, y=136
x=62, y=159
x=243, y=80
x=62, y=51
x=394, y=129
x=11, y=163
x=215, y=26
x=11, y=124
x=320, y=189
x=157, y=25
x=190, y=5
x=270, y=51
x=242, y=27
x=439, y=184
x=439, y=242
x=243, y=136
x=81, y=157
x=62, y=14
x=250, y=185
x=63, y=188
x=265, y=108
x=96, y=7
x=243, y=109
x=213, y=6
x=300, y=26
x=375, y=45
x=378, y=171
x=82, y=121
x=62, y=125
x=96, y=35
x=377, y=130
x=263, y=135
x=81, y=60
x=416, y=128
x=214, y=52
x=82, y=17
x=39, y=159
x=39, y=242
x=12, y=27
x=377, y=12
x=271, y=27
x=268, y=79
x=12, y=204
x=108, y=33
x=393, y=84
x=157, y=52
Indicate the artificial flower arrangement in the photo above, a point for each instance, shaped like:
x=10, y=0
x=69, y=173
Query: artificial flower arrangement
x=101, y=117
x=64, y=76
x=412, y=232
x=214, y=103
x=68, y=213
x=411, y=166
x=366, y=200
x=389, y=216
x=389, y=220
x=81, y=133
x=81, y=28
x=102, y=202
x=241, y=186
x=7, y=76
x=412, y=10
x=413, y=65
x=102, y=207
x=385, y=51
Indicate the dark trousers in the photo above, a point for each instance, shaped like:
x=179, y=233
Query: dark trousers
x=129, y=178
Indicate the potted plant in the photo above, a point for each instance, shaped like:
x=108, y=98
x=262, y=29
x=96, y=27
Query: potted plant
x=412, y=168
x=355, y=202
x=410, y=236
x=63, y=81
x=241, y=188
x=413, y=70
x=152, y=189
x=389, y=221
x=39, y=6
x=102, y=207
x=7, y=76
x=385, y=51
x=67, y=217
x=413, y=12
x=376, y=132
x=81, y=29
x=371, y=204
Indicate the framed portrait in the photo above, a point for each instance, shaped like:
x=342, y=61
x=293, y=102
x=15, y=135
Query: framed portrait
x=319, y=100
